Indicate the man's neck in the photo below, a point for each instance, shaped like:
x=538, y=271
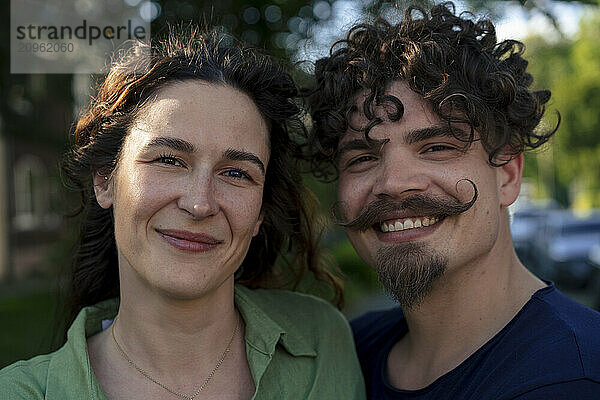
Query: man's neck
x=466, y=309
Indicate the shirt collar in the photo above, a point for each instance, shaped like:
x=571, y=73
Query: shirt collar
x=263, y=331
x=71, y=363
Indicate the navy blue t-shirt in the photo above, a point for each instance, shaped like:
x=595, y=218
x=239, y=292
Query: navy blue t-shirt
x=549, y=351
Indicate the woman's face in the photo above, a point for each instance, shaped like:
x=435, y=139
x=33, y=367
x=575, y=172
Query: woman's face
x=187, y=190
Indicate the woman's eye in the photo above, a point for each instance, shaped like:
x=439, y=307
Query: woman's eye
x=169, y=160
x=237, y=174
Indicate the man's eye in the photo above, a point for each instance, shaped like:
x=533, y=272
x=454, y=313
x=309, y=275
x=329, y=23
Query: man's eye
x=237, y=174
x=361, y=159
x=438, y=147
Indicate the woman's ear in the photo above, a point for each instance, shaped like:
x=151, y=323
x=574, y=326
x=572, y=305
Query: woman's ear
x=103, y=189
x=258, y=223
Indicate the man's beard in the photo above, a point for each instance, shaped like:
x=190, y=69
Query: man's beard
x=408, y=271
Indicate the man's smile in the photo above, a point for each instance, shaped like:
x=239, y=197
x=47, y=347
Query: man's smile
x=401, y=224
x=395, y=229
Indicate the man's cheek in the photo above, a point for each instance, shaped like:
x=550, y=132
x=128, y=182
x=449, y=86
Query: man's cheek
x=364, y=246
x=350, y=195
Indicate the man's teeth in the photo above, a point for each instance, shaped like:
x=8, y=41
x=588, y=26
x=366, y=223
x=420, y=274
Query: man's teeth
x=408, y=224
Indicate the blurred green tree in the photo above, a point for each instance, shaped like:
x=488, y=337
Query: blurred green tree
x=571, y=69
x=276, y=25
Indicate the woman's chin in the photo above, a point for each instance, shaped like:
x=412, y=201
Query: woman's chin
x=190, y=288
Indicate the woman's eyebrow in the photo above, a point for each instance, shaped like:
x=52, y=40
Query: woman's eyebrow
x=187, y=147
x=238, y=155
x=173, y=143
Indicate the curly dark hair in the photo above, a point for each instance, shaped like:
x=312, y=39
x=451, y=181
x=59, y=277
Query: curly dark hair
x=452, y=61
x=287, y=244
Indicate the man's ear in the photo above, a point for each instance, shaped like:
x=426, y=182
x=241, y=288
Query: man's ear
x=258, y=223
x=509, y=180
x=103, y=189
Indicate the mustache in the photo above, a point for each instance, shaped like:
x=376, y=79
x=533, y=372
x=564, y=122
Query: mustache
x=420, y=204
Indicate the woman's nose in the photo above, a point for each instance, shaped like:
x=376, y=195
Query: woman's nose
x=199, y=199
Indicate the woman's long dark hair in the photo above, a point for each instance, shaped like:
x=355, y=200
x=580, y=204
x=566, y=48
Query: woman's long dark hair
x=287, y=244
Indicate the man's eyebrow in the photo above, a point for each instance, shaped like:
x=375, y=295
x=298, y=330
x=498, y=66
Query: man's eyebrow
x=173, y=143
x=356, y=144
x=412, y=136
x=238, y=155
x=436, y=131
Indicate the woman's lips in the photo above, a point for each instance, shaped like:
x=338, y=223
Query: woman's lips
x=189, y=241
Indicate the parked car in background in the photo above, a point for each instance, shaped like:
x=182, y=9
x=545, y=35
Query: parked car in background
x=594, y=257
x=526, y=225
x=562, y=245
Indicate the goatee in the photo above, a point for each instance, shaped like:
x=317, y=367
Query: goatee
x=408, y=271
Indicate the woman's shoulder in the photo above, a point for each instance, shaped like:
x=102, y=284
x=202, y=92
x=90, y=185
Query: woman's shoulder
x=287, y=300
x=25, y=379
x=293, y=307
x=303, y=334
x=64, y=371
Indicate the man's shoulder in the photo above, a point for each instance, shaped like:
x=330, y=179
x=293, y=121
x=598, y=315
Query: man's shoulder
x=566, y=309
x=566, y=331
x=551, y=344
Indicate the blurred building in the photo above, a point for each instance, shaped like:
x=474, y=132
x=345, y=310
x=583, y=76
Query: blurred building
x=36, y=115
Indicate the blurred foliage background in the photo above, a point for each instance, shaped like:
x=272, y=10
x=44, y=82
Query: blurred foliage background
x=570, y=170
x=37, y=113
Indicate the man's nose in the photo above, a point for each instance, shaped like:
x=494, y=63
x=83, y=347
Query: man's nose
x=399, y=176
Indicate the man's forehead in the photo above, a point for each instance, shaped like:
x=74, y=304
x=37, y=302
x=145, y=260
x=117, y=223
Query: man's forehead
x=415, y=122
x=351, y=136
x=390, y=103
x=379, y=106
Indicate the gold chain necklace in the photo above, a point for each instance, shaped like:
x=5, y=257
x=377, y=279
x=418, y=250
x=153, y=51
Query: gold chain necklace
x=168, y=389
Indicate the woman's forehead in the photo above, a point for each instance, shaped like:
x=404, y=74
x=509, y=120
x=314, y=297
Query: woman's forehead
x=200, y=109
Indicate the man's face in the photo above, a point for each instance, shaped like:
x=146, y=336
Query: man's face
x=425, y=169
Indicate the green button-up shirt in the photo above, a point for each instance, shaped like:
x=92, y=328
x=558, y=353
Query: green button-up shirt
x=298, y=347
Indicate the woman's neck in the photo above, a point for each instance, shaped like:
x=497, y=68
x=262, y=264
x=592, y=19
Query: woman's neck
x=178, y=342
x=170, y=333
